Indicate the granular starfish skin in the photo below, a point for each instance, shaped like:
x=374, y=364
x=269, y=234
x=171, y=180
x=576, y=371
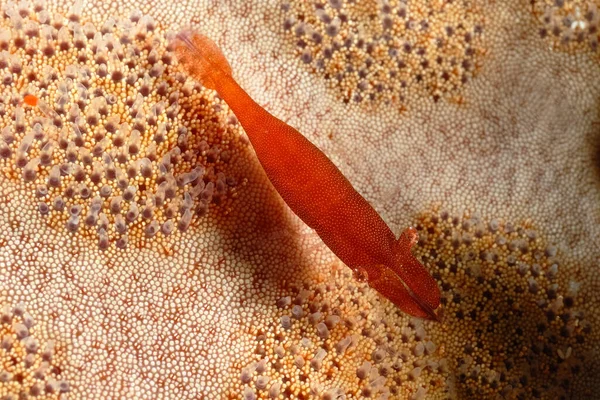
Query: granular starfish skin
x=519, y=318
x=569, y=25
x=498, y=173
x=388, y=50
x=29, y=368
x=104, y=133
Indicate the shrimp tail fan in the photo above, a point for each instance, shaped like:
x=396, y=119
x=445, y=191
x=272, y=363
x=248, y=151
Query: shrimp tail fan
x=422, y=286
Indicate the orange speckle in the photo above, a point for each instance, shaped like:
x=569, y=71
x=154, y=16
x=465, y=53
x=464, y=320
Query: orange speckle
x=30, y=100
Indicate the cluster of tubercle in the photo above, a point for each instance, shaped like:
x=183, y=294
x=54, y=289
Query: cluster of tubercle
x=27, y=367
x=514, y=316
x=92, y=119
x=316, y=335
x=389, y=50
x=569, y=25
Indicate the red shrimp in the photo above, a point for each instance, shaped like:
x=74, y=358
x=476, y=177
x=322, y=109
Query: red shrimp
x=315, y=189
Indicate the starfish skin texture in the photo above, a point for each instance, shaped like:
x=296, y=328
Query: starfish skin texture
x=497, y=168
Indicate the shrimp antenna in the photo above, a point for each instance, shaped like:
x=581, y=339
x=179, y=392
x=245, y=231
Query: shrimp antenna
x=184, y=36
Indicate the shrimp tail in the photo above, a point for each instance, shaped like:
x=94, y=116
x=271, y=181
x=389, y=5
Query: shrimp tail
x=395, y=290
x=420, y=284
x=201, y=58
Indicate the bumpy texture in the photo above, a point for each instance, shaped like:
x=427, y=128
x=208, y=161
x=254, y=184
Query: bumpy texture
x=499, y=173
x=388, y=51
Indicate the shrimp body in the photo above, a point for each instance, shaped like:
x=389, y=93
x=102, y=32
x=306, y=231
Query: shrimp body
x=315, y=189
